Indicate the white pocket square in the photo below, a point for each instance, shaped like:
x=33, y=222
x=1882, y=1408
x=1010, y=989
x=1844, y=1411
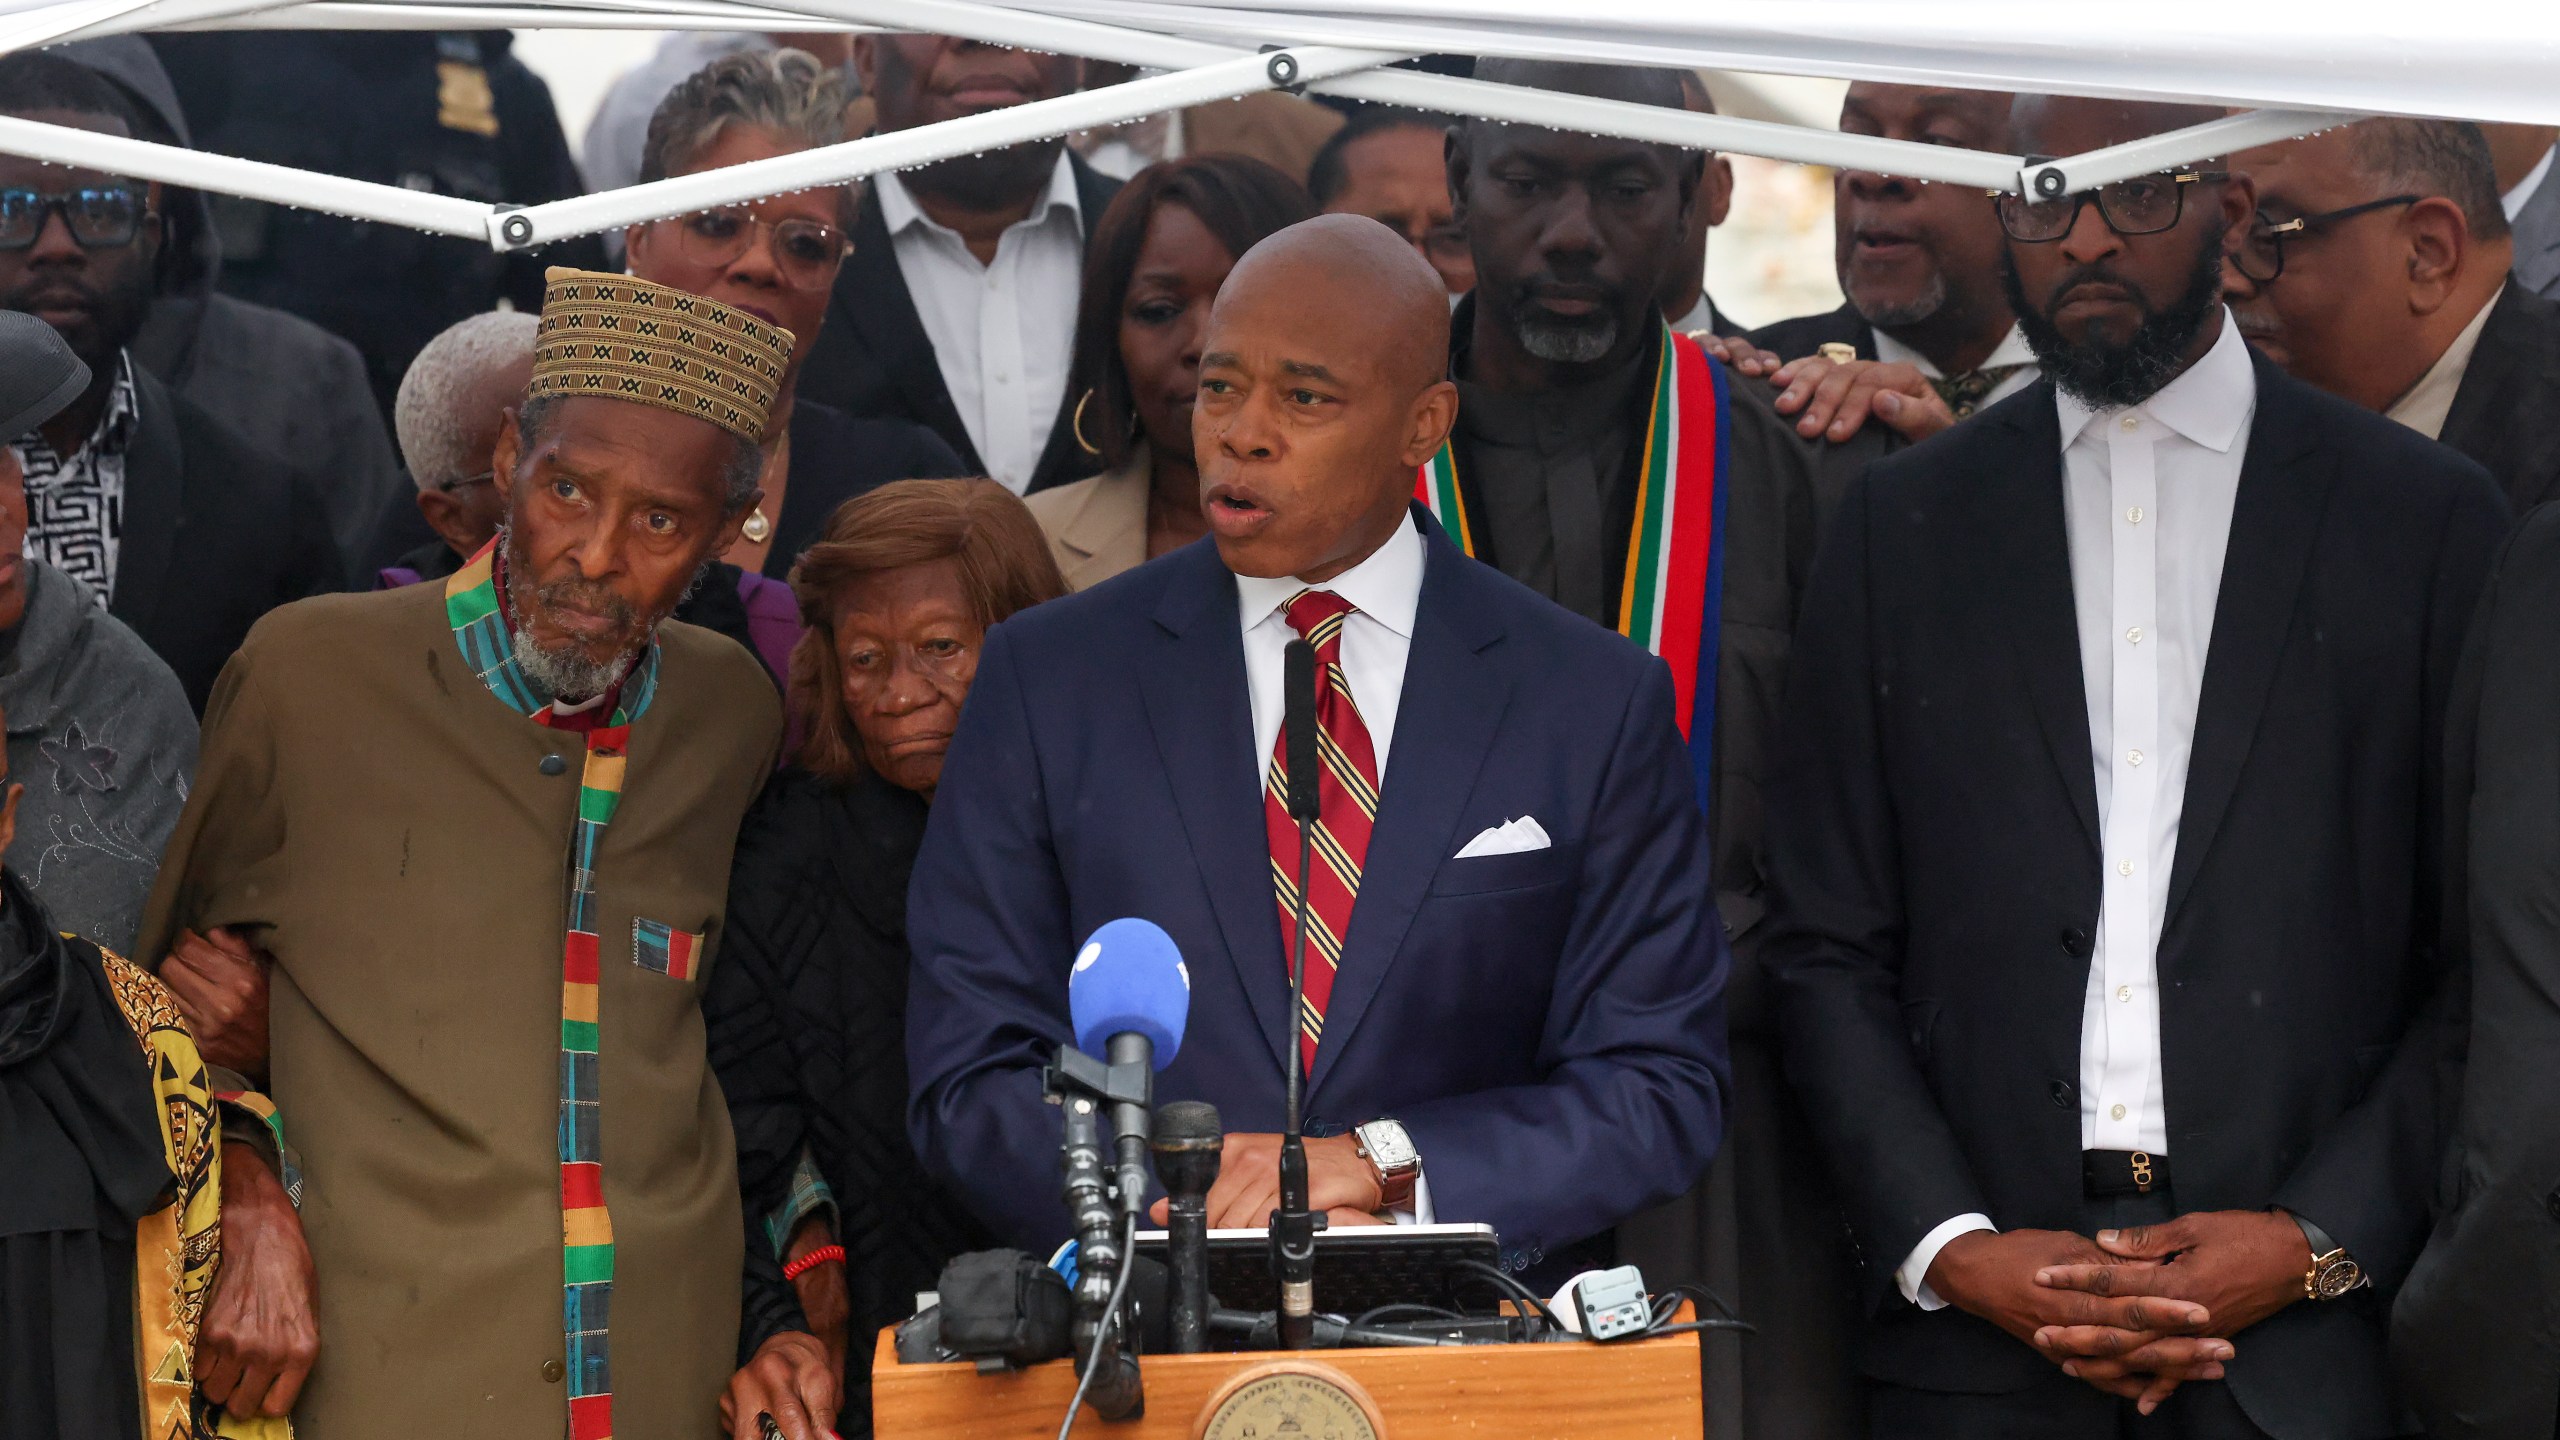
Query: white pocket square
x=1512, y=837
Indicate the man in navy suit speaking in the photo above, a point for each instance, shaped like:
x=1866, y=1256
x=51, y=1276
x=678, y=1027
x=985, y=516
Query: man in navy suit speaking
x=1515, y=978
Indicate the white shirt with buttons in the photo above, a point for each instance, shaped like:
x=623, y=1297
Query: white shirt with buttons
x=2147, y=498
x=1002, y=333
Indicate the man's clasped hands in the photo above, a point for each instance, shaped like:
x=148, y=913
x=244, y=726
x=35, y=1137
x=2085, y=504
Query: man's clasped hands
x=2135, y=1312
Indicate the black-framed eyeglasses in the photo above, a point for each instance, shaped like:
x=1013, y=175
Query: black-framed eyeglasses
x=2260, y=255
x=2143, y=205
x=485, y=477
x=804, y=251
x=100, y=217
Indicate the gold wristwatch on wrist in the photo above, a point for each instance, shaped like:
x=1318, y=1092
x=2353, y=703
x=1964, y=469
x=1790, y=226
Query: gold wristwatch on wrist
x=2333, y=1271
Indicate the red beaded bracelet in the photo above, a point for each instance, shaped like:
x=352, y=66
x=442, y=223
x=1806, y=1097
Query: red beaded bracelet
x=794, y=1269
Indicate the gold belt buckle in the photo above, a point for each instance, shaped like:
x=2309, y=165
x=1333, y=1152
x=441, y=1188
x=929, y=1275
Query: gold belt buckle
x=2141, y=1173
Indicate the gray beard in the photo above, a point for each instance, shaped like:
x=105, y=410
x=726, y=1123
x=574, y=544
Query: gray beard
x=560, y=674
x=1559, y=343
x=566, y=673
x=1911, y=312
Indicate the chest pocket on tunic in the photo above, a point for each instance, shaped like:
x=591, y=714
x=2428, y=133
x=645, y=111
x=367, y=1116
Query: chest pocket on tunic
x=658, y=946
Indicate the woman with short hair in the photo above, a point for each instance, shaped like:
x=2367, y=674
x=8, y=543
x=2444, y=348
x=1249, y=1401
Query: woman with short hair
x=775, y=258
x=806, y=1004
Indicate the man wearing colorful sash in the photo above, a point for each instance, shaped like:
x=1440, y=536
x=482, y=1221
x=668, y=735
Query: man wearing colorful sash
x=1514, y=999
x=481, y=830
x=1611, y=466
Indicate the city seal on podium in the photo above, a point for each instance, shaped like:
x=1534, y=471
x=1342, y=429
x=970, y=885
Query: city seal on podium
x=1290, y=1400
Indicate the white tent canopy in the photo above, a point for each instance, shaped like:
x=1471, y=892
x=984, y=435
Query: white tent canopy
x=2292, y=67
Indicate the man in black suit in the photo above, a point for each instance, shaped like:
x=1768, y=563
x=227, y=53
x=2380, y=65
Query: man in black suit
x=2102, y=848
x=1919, y=262
x=957, y=307
x=185, y=530
x=2476, y=1330
x=2378, y=270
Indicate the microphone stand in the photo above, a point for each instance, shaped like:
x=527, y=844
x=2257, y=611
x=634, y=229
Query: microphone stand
x=1104, y=1222
x=1293, y=1225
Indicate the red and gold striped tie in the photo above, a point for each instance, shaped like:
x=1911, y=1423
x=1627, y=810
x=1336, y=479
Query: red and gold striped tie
x=1347, y=809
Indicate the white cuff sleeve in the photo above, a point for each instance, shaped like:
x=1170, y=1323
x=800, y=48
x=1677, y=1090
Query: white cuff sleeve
x=1913, y=1277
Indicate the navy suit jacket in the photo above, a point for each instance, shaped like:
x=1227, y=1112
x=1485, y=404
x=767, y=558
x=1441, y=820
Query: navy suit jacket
x=1548, y=1026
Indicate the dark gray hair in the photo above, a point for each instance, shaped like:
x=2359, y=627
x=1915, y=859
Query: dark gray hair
x=789, y=93
x=737, y=481
x=2435, y=157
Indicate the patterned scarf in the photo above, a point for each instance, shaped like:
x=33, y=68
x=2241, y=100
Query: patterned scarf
x=478, y=615
x=1674, y=586
x=178, y=1247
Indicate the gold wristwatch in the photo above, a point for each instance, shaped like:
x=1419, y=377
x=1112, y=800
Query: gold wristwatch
x=2333, y=1271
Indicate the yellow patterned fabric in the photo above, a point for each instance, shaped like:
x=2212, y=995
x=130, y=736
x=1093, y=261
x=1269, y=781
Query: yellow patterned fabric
x=178, y=1247
x=618, y=338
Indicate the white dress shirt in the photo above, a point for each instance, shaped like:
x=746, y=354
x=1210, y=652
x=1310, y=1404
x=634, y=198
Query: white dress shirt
x=2012, y=350
x=1377, y=635
x=1385, y=589
x=2514, y=201
x=1002, y=333
x=2147, y=497
x=2429, y=401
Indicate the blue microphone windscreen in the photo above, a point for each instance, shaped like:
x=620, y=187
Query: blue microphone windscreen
x=1130, y=976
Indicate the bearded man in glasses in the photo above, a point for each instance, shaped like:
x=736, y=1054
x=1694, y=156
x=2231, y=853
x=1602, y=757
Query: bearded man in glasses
x=2377, y=269
x=2103, y=843
x=181, y=529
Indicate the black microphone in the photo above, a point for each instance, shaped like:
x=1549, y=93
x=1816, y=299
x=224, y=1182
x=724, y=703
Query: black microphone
x=1293, y=1226
x=1189, y=1143
x=1298, y=727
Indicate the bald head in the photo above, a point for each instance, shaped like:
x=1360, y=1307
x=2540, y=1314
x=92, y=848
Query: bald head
x=1372, y=280
x=1322, y=389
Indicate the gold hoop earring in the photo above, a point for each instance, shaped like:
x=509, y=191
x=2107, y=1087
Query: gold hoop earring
x=1076, y=425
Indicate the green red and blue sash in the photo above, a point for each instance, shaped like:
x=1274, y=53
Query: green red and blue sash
x=1674, y=586
x=472, y=607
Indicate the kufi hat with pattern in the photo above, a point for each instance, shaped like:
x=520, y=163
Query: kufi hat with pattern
x=620, y=338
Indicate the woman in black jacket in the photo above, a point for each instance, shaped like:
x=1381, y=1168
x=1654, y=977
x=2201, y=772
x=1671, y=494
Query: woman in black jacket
x=806, y=1000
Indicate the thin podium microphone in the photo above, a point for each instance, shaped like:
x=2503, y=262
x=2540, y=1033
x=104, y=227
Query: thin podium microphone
x=1293, y=1232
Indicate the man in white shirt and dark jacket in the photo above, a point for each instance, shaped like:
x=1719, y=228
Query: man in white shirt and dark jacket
x=957, y=307
x=2103, y=846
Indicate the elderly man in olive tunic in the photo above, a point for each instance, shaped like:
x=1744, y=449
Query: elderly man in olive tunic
x=474, y=841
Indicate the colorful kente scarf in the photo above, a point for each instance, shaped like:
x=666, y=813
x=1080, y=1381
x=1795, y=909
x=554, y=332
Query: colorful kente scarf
x=479, y=623
x=1675, y=555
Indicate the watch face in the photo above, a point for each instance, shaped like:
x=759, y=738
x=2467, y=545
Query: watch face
x=1388, y=1146
x=2339, y=1276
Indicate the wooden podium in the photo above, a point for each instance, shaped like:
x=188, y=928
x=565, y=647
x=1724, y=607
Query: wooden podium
x=1630, y=1390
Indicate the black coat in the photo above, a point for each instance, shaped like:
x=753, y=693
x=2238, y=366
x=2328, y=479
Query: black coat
x=1935, y=870
x=2476, y=1332
x=216, y=534
x=1806, y=334
x=2506, y=414
x=454, y=113
x=873, y=357
x=806, y=1012
x=834, y=457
